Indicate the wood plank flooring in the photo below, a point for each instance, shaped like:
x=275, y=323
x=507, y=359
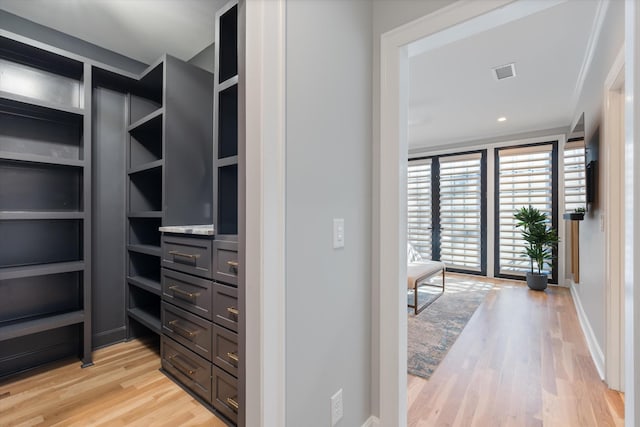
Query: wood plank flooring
x=123, y=388
x=522, y=360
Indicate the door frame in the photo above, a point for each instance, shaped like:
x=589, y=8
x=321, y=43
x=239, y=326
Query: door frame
x=263, y=228
x=613, y=110
x=390, y=395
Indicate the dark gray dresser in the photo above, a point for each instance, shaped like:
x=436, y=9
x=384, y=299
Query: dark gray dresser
x=199, y=345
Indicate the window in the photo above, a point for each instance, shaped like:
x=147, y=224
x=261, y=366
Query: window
x=525, y=177
x=574, y=176
x=419, y=206
x=446, y=213
x=461, y=211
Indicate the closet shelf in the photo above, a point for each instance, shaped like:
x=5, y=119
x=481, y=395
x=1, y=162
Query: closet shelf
x=231, y=81
x=37, y=107
x=227, y=161
x=35, y=158
x=146, y=167
x=40, y=215
x=41, y=324
x=149, y=320
x=40, y=270
x=146, y=249
x=147, y=120
x=147, y=284
x=145, y=214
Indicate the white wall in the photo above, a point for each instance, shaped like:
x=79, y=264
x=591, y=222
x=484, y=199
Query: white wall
x=591, y=290
x=328, y=175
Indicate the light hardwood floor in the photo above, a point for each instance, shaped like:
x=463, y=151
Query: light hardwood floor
x=522, y=360
x=123, y=388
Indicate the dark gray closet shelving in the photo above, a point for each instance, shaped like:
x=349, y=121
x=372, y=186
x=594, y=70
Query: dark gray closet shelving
x=45, y=208
x=226, y=122
x=228, y=383
x=168, y=176
x=145, y=150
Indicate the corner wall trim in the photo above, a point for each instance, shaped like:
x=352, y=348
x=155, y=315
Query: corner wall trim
x=594, y=348
x=372, y=422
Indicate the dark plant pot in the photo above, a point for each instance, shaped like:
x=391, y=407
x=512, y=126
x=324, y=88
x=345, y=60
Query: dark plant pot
x=573, y=216
x=537, y=281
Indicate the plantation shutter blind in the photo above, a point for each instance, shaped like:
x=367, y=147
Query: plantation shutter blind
x=460, y=211
x=525, y=178
x=574, y=176
x=419, y=199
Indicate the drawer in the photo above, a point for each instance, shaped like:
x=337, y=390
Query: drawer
x=188, y=292
x=225, y=393
x=188, y=329
x=225, y=349
x=225, y=261
x=187, y=367
x=225, y=306
x=187, y=254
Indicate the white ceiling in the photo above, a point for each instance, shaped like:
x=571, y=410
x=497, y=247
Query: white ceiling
x=454, y=96
x=139, y=29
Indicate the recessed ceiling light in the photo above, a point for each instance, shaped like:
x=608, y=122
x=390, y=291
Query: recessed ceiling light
x=502, y=119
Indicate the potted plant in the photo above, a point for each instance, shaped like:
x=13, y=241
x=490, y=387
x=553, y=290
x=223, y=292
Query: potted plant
x=541, y=240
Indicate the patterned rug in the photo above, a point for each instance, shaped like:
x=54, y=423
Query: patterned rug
x=432, y=332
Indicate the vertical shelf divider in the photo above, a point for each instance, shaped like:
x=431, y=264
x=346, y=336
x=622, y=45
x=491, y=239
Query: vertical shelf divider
x=86, y=202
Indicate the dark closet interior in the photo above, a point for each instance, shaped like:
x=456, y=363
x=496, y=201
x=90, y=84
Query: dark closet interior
x=94, y=160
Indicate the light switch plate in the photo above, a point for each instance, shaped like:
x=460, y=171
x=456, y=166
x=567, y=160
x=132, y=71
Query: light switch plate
x=338, y=233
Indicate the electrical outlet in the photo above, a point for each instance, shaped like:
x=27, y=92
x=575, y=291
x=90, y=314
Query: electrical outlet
x=336, y=407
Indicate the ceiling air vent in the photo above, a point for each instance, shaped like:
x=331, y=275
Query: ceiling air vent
x=505, y=71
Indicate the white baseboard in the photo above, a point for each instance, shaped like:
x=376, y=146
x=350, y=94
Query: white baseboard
x=372, y=422
x=594, y=348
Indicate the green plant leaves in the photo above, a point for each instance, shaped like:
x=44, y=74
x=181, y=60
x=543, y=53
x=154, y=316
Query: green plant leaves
x=541, y=240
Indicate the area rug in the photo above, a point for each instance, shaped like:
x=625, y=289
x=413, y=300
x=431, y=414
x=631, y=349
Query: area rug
x=432, y=332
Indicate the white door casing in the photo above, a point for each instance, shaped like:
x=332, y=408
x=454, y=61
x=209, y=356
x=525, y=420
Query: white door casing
x=391, y=169
x=614, y=213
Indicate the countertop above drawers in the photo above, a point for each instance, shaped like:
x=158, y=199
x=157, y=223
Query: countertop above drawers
x=200, y=230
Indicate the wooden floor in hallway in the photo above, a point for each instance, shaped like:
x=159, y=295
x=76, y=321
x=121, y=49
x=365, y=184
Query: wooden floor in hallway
x=123, y=388
x=522, y=360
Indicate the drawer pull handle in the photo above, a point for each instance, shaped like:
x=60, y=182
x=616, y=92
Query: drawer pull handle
x=182, y=366
x=233, y=311
x=183, y=255
x=233, y=356
x=182, y=330
x=233, y=403
x=183, y=293
x=233, y=264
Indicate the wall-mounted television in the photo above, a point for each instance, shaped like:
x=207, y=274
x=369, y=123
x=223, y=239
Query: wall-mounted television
x=590, y=181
